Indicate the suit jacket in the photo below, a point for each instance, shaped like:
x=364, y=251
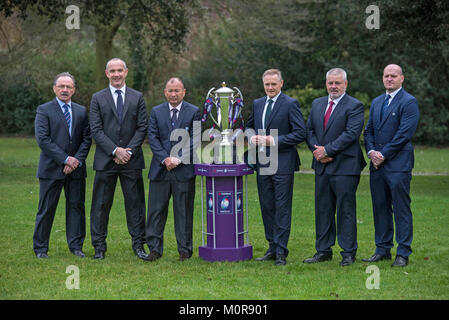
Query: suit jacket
x=287, y=118
x=341, y=137
x=392, y=136
x=55, y=142
x=109, y=132
x=159, y=131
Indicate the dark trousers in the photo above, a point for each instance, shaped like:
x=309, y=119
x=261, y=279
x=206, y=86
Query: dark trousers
x=336, y=193
x=183, y=202
x=75, y=221
x=390, y=194
x=105, y=182
x=275, y=197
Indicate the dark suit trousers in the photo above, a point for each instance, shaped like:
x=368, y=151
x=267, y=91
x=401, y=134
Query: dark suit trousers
x=275, y=197
x=390, y=196
x=105, y=182
x=336, y=193
x=158, y=201
x=49, y=193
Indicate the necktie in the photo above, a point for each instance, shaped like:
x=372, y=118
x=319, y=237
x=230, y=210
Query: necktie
x=68, y=117
x=173, y=117
x=267, y=113
x=328, y=114
x=384, y=107
x=119, y=104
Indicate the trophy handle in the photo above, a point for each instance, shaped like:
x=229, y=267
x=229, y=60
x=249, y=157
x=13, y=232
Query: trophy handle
x=241, y=96
x=213, y=100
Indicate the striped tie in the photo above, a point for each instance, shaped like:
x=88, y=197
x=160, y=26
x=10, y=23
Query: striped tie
x=67, y=116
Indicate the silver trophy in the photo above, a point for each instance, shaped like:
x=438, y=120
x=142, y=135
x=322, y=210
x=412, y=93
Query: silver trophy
x=228, y=104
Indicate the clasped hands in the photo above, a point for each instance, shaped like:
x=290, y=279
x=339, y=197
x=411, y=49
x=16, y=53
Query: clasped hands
x=71, y=164
x=376, y=158
x=122, y=155
x=171, y=163
x=320, y=155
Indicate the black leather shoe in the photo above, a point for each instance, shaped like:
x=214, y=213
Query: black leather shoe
x=267, y=256
x=99, y=255
x=400, y=261
x=184, y=256
x=319, y=257
x=347, y=261
x=42, y=255
x=79, y=253
x=377, y=257
x=153, y=256
x=280, y=260
x=141, y=254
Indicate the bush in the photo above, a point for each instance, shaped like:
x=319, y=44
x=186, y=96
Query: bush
x=18, y=107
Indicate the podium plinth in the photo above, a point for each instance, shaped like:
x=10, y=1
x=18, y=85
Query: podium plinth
x=225, y=202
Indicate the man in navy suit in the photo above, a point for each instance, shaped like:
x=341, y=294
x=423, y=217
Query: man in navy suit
x=63, y=135
x=392, y=123
x=118, y=120
x=333, y=131
x=280, y=126
x=171, y=172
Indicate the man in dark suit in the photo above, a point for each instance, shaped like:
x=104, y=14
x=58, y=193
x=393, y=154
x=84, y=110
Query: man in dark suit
x=171, y=173
x=392, y=123
x=118, y=121
x=333, y=131
x=63, y=135
x=280, y=126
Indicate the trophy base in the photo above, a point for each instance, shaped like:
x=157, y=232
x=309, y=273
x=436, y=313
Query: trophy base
x=226, y=254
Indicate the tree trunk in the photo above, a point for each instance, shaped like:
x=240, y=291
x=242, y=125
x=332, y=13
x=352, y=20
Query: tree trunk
x=104, y=35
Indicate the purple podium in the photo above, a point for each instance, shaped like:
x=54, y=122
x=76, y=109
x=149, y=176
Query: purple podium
x=224, y=211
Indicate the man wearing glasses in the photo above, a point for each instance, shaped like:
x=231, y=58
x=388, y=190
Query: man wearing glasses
x=63, y=135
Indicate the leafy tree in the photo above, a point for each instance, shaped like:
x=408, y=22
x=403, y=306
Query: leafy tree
x=163, y=22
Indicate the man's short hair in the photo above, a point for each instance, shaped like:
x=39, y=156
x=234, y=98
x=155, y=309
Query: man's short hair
x=336, y=72
x=271, y=72
x=116, y=59
x=173, y=79
x=64, y=74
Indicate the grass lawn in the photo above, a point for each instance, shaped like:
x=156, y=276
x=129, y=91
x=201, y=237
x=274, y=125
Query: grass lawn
x=122, y=276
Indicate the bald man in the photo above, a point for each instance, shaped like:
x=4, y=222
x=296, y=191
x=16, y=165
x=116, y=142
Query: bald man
x=171, y=173
x=392, y=123
x=118, y=121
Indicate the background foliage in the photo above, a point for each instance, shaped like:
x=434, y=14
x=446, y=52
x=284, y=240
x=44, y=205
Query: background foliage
x=206, y=42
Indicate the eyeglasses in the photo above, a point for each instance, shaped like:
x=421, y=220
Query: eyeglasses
x=61, y=86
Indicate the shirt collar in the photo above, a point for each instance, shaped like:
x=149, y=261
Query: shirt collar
x=274, y=98
x=113, y=89
x=62, y=103
x=336, y=101
x=178, y=107
x=393, y=93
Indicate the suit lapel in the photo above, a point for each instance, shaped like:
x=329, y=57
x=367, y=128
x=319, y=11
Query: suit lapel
x=181, y=115
x=259, y=115
x=61, y=116
x=166, y=116
x=334, y=114
x=110, y=102
x=392, y=107
x=274, y=110
x=126, y=104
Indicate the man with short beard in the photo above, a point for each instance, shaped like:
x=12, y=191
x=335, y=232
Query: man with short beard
x=333, y=131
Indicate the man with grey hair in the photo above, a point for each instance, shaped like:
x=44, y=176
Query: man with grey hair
x=118, y=121
x=333, y=131
x=63, y=135
x=280, y=126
